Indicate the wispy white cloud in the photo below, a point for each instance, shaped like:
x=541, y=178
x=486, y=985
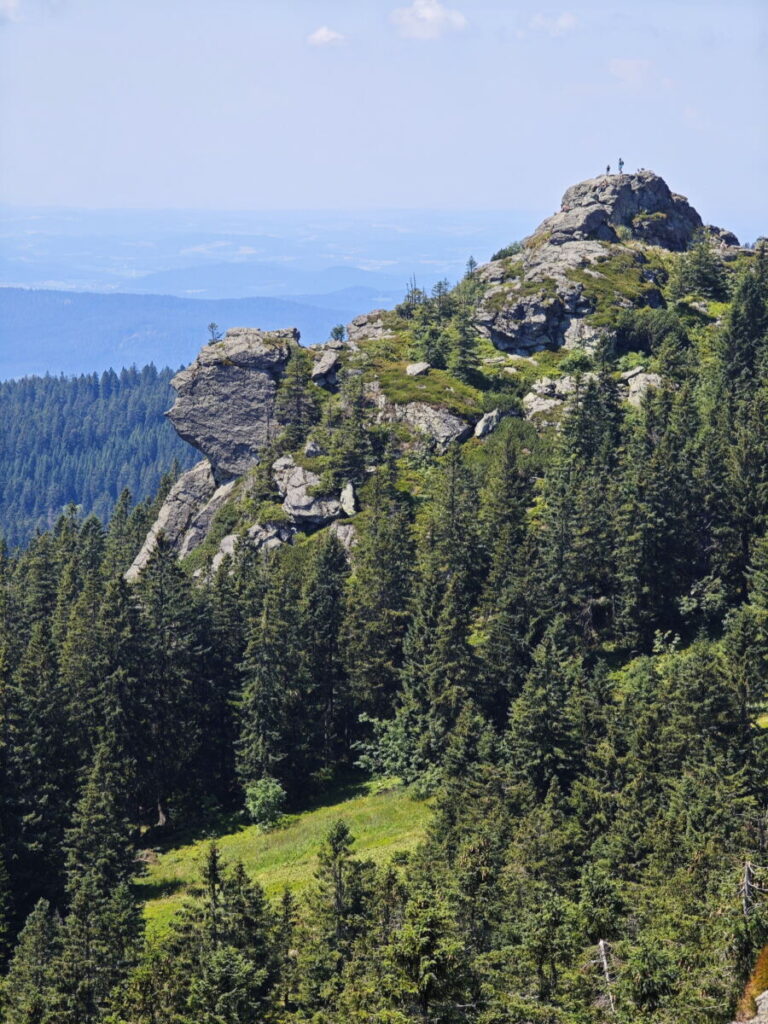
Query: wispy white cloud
x=9, y=10
x=427, y=19
x=18, y=10
x=324, y=36
x=630, y=71
x=554, y=25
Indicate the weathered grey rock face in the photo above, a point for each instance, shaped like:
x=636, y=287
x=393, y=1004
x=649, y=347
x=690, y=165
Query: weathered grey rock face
x=639, y=384
x=548, y=393
x=725, y=239
x=345, y=533
x=312, y=449
x=640, y=203
x=369, y=325
x=200, y=523
x=488, y=423
x=294, y=482
x=347, y=499
x=439, y=424
x=442, y=426
x=534, y=301
x=186, y=499
x=542, y=306
x=261, y=537
x=225, y=399
x=324, y=371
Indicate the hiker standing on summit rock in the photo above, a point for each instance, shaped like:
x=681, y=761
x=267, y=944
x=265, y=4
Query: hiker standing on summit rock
x=621, y=165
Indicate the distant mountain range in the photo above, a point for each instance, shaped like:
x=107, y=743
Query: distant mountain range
x=56, y=332
x=83, y=290
x=250, y=279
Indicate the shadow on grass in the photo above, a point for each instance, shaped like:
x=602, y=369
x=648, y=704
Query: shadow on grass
x=158, y=890
x=341, y=789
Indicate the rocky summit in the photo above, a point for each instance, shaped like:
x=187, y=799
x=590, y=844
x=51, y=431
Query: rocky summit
x=414, y=373
x=613, y=207
x=607, y=227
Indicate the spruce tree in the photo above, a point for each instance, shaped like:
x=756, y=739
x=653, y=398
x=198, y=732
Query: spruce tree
x=330, y=714
x=378, y=588
x=28, y=987
x=171, y=713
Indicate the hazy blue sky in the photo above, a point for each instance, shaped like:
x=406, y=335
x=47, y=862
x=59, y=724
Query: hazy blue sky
x=265, y=104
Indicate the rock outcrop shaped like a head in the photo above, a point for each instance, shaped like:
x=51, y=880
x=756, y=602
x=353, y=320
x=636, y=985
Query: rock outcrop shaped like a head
x=640, y=203
x=225, y=400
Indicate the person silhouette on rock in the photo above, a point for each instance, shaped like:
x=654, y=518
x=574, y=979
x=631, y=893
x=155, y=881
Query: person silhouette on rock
x=621, y=165
x=608, y=169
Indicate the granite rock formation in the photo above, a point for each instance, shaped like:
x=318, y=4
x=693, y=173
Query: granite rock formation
x=541, y=299
x=225, y=400
x=186, y=499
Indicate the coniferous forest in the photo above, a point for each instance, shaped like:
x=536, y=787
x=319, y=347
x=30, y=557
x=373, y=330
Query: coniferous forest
x=558, y=637
x=82, y=440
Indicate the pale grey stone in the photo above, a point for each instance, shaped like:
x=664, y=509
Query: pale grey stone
x=417, y=369
x=200, y=523
x=312, y=449
x=367, y=327
x=294, y=482
x=641, y=383
x=532, y=303
x=324, y=371
x=534, y=405
x=488, y=423
x=225, y=400
x=268, y=536
x=188, y=496
x=640, y=203
x=347, y=499
x=227, y=549
x=345, y=533
x=761, y=1017
x=439, y=424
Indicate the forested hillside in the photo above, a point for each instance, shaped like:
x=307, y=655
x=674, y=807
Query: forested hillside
x=77, y=332
x=551, y=622
x=82, y=440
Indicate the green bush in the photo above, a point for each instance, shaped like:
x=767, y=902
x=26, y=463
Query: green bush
x=265, y=801
x=507, y=251
x=577, y=362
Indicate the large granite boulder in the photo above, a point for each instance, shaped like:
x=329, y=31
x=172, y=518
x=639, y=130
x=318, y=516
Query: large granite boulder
x=638, y=384
x=325, y=369
x=186, y=499
x=294, y=484
x=641, y=203
x=441, y=426
x=264, y=537
x=225, y=401
x=488, y=423
x=366, y=327
x=551, y=393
